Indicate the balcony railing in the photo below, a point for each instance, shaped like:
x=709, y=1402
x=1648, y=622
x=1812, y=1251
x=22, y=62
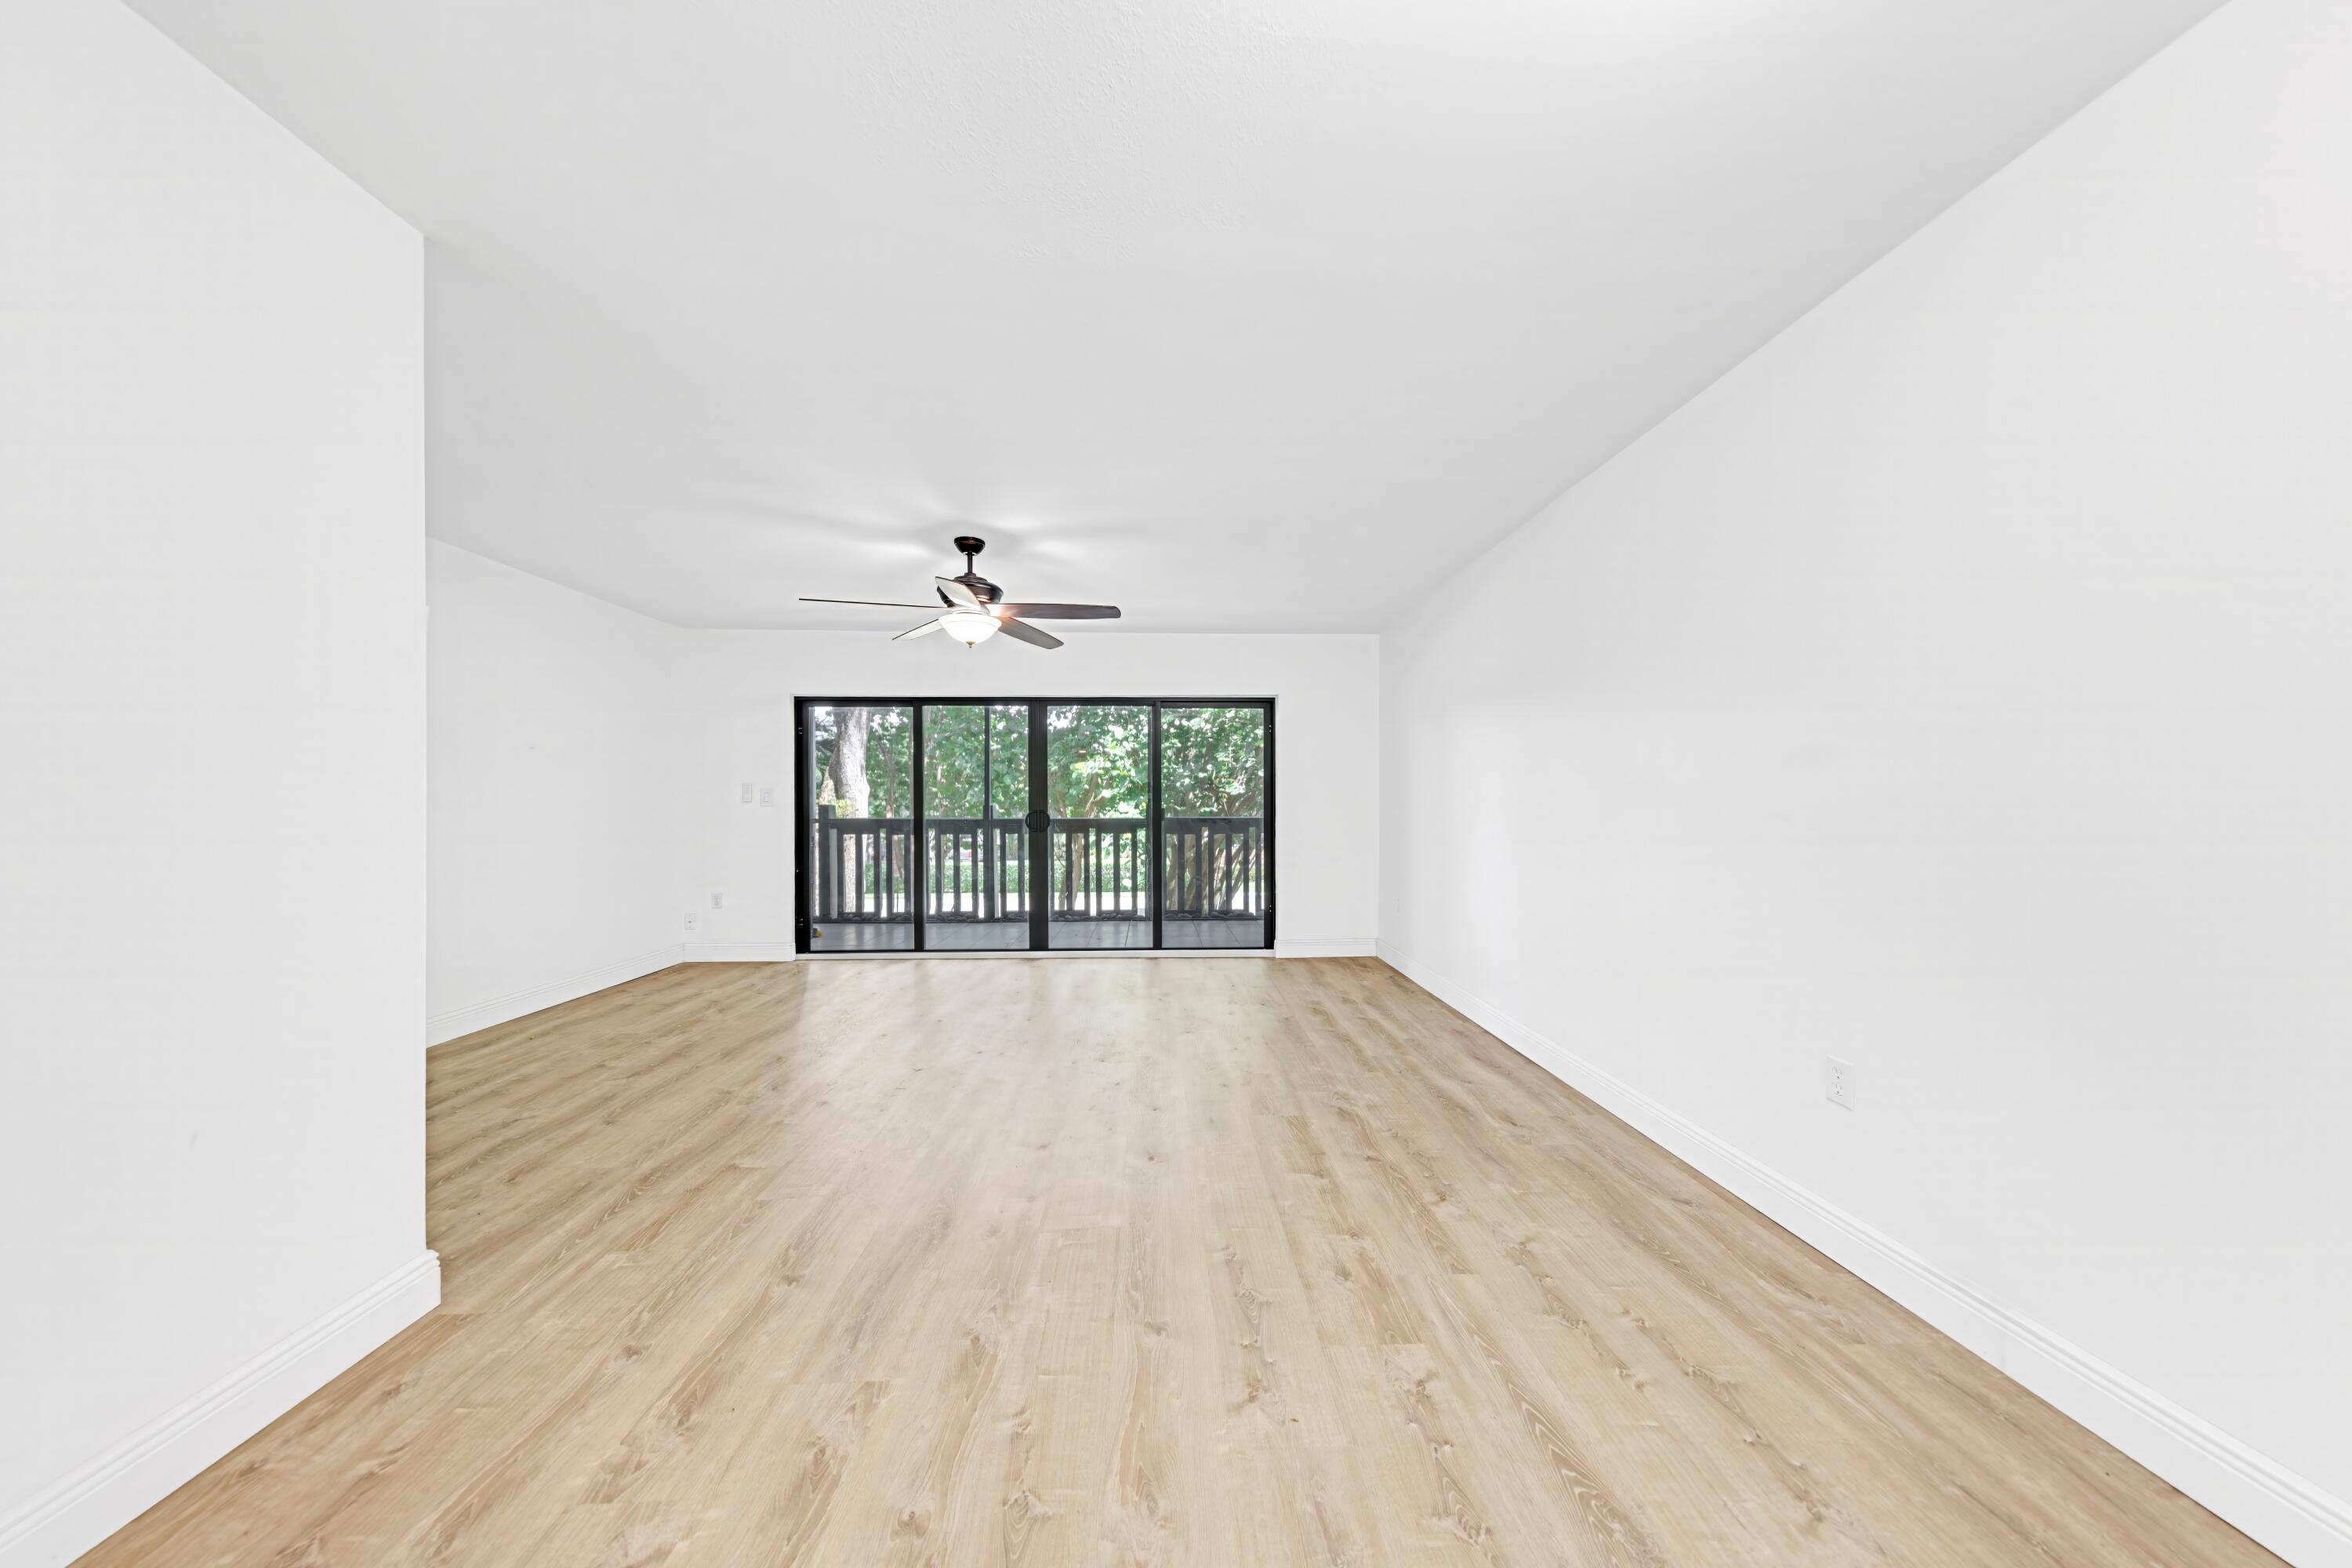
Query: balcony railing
x=976, y=869
x=1213, y=867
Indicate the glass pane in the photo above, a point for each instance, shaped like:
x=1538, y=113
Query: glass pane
x=1213, y=827
x=860, y=833
x=1099, y=791
x=975, y=848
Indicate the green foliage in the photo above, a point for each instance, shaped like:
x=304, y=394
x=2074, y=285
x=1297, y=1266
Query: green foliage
x=969, y=753
x=887, y=736
x=1213, y=760
x=1098, y=761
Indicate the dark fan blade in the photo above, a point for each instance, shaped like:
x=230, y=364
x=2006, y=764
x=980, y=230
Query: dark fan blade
x=884, y=603
x=1061, y=612
x=917, y=631
x=1027, y=633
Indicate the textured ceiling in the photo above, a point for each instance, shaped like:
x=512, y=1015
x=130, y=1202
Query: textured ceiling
x=1251, y=316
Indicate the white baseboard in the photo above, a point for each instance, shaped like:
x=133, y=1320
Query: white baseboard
x=1325, y=947
x=449, y=1025
x=2271, y=1503
x=739, y=953
x=68, y=1519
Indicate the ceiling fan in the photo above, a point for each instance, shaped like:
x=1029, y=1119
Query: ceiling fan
x=976, y=610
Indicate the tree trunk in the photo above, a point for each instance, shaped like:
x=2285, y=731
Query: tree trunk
x=844, y=776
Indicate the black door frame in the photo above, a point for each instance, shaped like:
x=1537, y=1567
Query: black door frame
x=1040, y=844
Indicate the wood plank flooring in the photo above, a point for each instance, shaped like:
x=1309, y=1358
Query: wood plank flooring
x=1035, y=1262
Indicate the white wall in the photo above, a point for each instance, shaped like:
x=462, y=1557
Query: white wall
x=739, y=688
x=556, y=836
x=587, y=768
x=1964, y=686
x=212, y=810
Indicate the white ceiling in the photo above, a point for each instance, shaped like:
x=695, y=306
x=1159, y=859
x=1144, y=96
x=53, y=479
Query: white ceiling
x=1246, y=316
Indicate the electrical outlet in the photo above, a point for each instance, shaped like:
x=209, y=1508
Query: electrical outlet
x=717, y=900
x=1840, y=1082
x=746, y=793
x=689, y=920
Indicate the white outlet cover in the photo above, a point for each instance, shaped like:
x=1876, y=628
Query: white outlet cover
x=1838, y=1081
x=767, y=795
x=717, y=900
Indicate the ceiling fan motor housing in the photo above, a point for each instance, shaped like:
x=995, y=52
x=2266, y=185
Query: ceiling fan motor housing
x=984, y=590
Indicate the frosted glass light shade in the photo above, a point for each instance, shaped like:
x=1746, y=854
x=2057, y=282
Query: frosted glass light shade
x=970, y=627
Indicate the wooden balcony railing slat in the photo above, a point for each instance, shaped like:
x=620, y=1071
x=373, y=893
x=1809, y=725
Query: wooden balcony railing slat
x=1211, y=867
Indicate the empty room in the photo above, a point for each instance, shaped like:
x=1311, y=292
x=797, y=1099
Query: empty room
x=1061, y=783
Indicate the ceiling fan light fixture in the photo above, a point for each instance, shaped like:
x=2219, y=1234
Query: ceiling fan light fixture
x=970, y=627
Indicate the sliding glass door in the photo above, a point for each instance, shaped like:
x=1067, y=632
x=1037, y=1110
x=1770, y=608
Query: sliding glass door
x=1033, y=823
x=1215, y=868
x=975, y=839
x=1098, y=794
x=856, y=770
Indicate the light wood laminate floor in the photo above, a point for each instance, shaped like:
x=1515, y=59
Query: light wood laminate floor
x=1038, y=1262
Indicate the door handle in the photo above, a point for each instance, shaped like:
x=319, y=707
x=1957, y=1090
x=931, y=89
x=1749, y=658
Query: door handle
x=1037, y=821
